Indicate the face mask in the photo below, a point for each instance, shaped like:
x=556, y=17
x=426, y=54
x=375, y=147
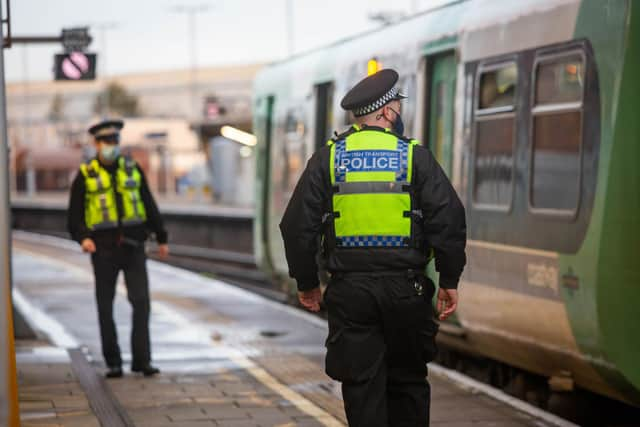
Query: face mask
x=109, y=152
x=398, y=124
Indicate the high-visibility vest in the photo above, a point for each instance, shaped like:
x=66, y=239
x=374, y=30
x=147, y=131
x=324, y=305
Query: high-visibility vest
x=100, y=207
x=371, y=172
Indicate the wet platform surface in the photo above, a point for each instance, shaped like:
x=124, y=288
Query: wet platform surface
x=228, y=357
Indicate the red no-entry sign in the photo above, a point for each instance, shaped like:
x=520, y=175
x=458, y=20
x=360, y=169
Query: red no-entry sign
x=75, y=66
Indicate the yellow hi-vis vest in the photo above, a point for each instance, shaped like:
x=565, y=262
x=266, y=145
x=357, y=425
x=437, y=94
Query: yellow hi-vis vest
x=371, y=172
x=100, y=207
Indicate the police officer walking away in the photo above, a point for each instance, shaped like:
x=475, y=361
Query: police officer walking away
x=381, y=206
x=111, y=212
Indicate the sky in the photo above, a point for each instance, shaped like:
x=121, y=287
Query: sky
x=149, y=35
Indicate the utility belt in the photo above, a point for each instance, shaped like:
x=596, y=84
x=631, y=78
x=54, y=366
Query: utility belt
x=417, y=277
x=116, y=240
x=127, y=241
x=408, y=273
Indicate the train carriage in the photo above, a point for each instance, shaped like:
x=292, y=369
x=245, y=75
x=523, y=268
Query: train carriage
x=529, y=108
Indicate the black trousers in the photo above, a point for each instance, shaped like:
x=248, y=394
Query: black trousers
x=381, y=336
x=107, y=264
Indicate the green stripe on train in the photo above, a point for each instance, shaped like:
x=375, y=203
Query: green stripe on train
x=603, y=310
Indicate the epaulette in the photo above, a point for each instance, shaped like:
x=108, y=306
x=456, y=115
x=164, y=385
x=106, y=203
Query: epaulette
x=337, y=137
x=401, y=137
x=90, y=167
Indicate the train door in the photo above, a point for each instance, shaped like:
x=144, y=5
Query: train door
x=441, y=84
x=442, y=87
x=264, y=130
x=323, y=114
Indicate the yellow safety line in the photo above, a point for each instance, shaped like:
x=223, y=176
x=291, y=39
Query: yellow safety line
x=300, y=402
x=12, y=380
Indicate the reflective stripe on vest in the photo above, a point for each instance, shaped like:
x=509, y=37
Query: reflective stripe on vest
x=101, y=211
x=370, y=174
x=129, y=181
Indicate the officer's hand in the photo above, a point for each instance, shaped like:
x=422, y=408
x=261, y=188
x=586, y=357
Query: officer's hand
x=447, y=302
x=88, y=245
x=311, y=299
x=163, y=251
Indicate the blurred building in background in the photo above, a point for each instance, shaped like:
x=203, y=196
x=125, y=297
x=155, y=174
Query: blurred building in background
x=164, y=132
x=228, y=159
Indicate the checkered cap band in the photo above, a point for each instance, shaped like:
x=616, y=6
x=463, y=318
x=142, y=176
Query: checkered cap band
x=376, y=105
x=110, y=130
x=372, y=241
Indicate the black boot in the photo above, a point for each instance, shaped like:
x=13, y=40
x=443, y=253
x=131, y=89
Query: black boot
x=147, y=370
x=114, y=372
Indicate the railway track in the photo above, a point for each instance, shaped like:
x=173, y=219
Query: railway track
x=238, y=268
x=234, y=267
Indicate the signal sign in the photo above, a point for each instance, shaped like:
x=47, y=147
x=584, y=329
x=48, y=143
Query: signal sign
x=75, y=39
x=75, y=66
x=212, y=108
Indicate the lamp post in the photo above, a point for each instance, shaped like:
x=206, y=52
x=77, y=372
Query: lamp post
x=192, y=11
x=415, y=5
x=289, y=19
x=9, y=411
x=103, y=27
x=386, y=17
x=26, y=125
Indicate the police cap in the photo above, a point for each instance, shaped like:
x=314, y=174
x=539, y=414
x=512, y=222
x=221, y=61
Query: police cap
x=372, y=93
x=106, y=128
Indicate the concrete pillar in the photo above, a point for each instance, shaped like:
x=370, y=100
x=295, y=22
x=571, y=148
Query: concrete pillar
x=9, y=413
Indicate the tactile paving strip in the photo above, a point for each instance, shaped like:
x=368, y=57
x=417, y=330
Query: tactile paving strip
x=104, y=404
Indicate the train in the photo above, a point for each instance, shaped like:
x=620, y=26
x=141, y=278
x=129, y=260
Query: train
x=529, y=106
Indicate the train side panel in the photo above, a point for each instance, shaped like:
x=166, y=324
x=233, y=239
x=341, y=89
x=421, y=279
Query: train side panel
x=616, y=287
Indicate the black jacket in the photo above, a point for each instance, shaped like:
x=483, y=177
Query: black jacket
x=443, y=227
x=138, y=233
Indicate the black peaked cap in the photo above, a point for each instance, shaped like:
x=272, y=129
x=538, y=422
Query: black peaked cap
x=110, y=126
x=372, y=93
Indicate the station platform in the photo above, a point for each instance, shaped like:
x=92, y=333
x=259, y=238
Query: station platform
x=228, y=357
x=175, y=205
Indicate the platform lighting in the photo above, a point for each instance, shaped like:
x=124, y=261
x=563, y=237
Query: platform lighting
x=245, y=152
x=238, y=135
x=373, y=66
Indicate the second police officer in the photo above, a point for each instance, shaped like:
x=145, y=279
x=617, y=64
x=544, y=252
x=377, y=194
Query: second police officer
x=381, y=207
x=111, y=213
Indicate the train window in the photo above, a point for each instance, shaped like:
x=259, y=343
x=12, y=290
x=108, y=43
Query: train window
x=494, y=137
x=557, y=133
x=294, y=123
x=494, y=162
x=498, y=87
x=407, y=85
x=324, y=113
x=560, y=80
x=294, y=150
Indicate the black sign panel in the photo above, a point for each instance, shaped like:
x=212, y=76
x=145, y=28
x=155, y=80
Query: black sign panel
x=212, y=108
x=75, y=66
x=75, y=39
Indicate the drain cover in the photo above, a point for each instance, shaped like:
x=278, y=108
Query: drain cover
x=272, y=334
